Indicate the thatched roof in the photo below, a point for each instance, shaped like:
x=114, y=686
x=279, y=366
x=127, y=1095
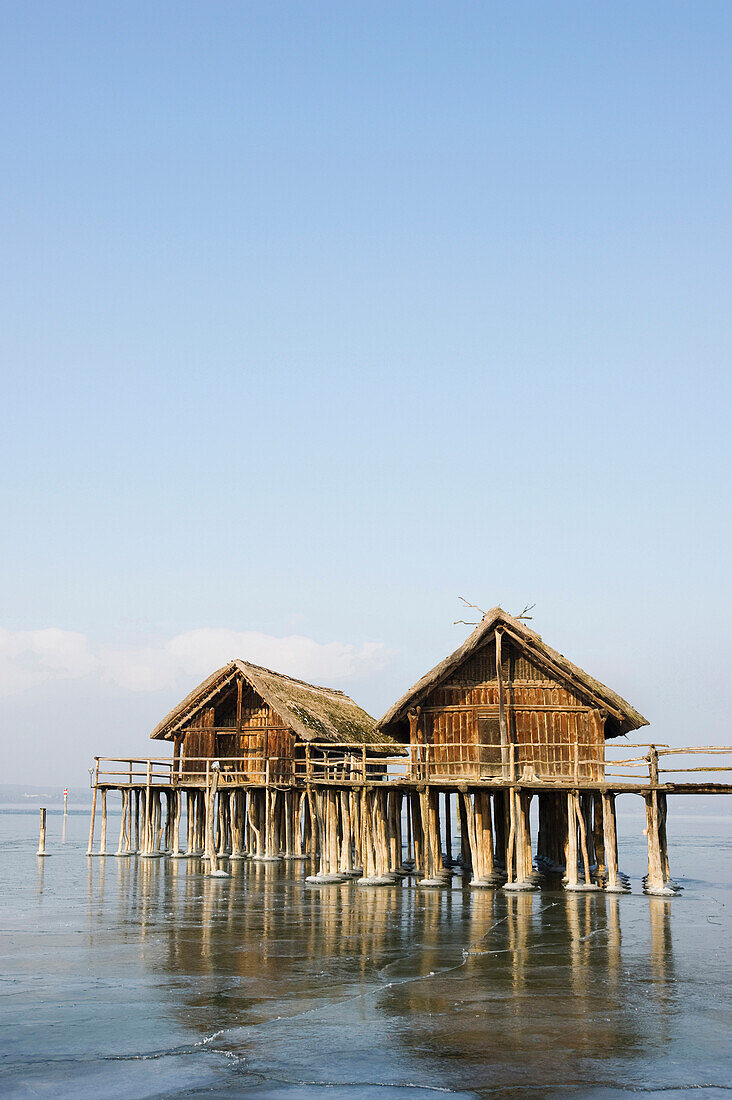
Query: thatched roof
x=556, y=665
x=313, y=713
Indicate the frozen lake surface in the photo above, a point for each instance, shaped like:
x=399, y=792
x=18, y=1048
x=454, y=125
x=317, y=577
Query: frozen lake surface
x=132, y=978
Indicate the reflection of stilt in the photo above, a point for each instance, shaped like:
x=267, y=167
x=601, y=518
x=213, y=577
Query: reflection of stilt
x=519, y=913
x=659, y=912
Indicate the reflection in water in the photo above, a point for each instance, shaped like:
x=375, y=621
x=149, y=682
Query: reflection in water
x=460, y=985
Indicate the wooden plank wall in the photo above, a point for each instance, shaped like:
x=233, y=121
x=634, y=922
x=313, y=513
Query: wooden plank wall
x=262, y=735
x=544, y=718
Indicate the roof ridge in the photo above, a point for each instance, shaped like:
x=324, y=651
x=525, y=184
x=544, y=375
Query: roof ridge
x=291, y=679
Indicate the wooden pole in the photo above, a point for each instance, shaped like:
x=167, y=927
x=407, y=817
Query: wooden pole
x=42, y=833
x=90, y=847
x=177, y=796
x=486, y=834
x=572, y=875
x=103, y=836
x=612, y=884
x=461, y=800
x=448, y=829
x=415, y=809
x=511, y=842
x=125, y=794
x=598, y=835
x=468, y=822
x=662, y=838
x=213, y=862
x=655, y=883
x=583, y=840
x=136, y=840
x=501, y=710
x=499, y=815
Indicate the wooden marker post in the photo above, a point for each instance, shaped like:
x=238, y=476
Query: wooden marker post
x=90, y=847
x=42, y=834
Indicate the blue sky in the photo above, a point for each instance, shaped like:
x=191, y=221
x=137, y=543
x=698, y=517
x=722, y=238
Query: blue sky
x=317, y=316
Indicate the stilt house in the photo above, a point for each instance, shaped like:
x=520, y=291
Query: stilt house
x=505, y=705
x=263, y=725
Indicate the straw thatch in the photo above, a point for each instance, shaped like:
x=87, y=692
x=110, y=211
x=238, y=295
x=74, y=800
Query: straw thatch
x=557, y=667
x=313, y=713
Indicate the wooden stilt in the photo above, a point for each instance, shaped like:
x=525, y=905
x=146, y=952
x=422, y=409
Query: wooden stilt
x=448, y=829
x=463, y=800
x=583, y=840
x=656, y=881
x=346, y=854
x=122, y=847
x=500, y=816
x=610, y=846
x=572, y=853
x=177, y=808
x=598, y=835
x=415, y=810
x=90, y=848
x=410, y=850
x=511, y=841
x=663, y=839
x=103, y=835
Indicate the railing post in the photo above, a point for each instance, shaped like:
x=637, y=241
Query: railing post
x=576, y=761
x=363, y=753
x=653, y=765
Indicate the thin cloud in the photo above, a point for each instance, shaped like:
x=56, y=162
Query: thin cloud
x=33, y=657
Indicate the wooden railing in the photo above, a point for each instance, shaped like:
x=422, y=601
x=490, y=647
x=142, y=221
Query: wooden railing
x=449, y=763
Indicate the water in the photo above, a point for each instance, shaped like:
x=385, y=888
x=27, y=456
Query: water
x=145, y=978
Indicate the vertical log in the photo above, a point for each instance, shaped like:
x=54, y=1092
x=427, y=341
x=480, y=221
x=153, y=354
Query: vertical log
x=654, y=883
x=612, y=884
x=462, y=800
x=103, y=836
x=415, y=810
x=346, y=852
x=598, y=835
x=468, y=819
x=486, y=839
x=572, y=853
x=90, y=847
x=448, y=829
x=662, y=837
x=398, y=814
x=123, y=823
x=583, y=840
x=408, y=815
x=502, y=712
x=511, y=841
x=499, y=814
x=42, y=833
x=136, y=841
